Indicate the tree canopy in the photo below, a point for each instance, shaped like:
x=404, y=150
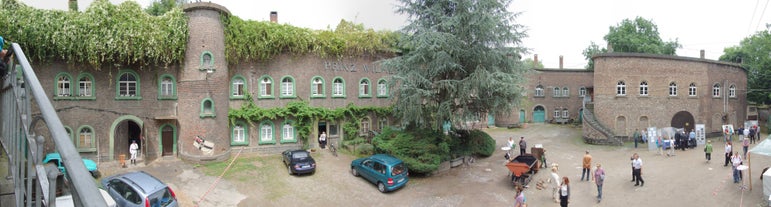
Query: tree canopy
x=639, y=35
x=753, y=54
x=160, y=7
x=459, y=61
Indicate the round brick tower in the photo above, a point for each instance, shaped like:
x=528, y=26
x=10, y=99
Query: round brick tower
x=203, y=86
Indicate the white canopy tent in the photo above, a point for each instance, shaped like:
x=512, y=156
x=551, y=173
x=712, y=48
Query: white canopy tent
x=763, y=148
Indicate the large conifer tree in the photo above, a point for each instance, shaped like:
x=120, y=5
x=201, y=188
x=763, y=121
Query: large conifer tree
x=459, y=61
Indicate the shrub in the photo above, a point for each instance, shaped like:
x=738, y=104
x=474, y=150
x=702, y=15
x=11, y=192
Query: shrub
x=471, y=142
x=422, y=150
x=365, y=148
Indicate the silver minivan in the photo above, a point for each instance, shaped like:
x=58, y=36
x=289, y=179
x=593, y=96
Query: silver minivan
x=139, y=189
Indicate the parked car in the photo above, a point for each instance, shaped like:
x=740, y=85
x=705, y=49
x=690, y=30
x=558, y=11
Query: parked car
x=299, y=162
x=139, y=189
x=385, y=171
x=56, y=159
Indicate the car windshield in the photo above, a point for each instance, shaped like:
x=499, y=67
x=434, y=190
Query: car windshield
x=161, y=198
x=299, y=155
x=398, y=169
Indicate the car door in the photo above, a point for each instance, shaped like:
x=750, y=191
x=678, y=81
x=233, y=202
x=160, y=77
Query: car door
x=286, y=157
x=367, y=170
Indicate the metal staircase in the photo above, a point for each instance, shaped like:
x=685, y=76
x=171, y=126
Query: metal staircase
x=25, y=105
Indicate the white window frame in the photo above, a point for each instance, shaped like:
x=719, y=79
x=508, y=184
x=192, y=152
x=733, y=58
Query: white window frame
x=239, y=133
x=557, y=113
x=556, y=92
x=238, y=87
x=565, y=113
x=265, y=87
x=337, y=87
x=364, y=127
x=287, y=87
x=287, y=132
x=582, y=92
x=539, y=91
x=382, y=88
x=266, y=133
x=64, y=86
x=716, y=90
x=85, y=86
x=644, y=88
x=672, y=89
x=620, y=88
x=127, y=87
x=317, y=87
x=692, y=89
x=732, y=91
x=167, y=87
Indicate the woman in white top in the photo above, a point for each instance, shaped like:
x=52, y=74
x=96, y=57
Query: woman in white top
x=556, y=179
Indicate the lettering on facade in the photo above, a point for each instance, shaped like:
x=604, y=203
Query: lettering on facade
x=352, y=67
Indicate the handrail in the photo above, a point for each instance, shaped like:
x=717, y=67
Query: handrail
x=25, y=149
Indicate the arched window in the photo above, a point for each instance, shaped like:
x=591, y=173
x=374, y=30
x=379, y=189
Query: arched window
x=382, y=123
x=692, y=89
x=565, y=92
x=556, y=92
x=239, y=134
x=364, y=88
x=266, y=133
x=237, y=87
x=364, y=127
x=86, y=141
x=732, y=91
x=85, y=86
x=582, y=91
x=565, y=113
x=207, y=108
x=338, y=87
x=287, y=87
x=620, y=88
x=716, y=90
x=288, y=133
x=643, y=88
x=266, y=87
x=166, y=87
x=63, y=85
x=382, y=88
x=539, y=91
x=672, y=89
x=317, y=87
x=556, y=113
x=128, y=85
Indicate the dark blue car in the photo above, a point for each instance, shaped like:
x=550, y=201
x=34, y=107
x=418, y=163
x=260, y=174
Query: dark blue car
x=385, y=171
x=299, y=162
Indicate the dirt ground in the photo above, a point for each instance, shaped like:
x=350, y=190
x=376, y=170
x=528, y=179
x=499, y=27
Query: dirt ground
x=681, y=180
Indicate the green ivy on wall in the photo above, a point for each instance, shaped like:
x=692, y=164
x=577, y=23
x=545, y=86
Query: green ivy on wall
x=248, y=40
x=104, y=33
x=304, y=115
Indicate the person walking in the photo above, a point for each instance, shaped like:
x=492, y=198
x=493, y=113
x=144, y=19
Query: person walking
x=637, y=165
x=752, y=135
x=727, y=153
x=708, y=150
x=736, y=160
x=521, y=201
x=323, y=140
x=632, y=165
x=565, y=192
x=510, y=144
x=522, y=146
x=587, y=166
x=133, y=150
x=556, y=179
x=745, y=145
x=599, y=179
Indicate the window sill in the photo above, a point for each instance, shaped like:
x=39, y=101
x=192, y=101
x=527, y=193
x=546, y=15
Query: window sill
x=86, y=149
x=239, y=143
x=167, y=98
x=272, y=142
x=289, y=141
x=266, y=97
x=128, y=98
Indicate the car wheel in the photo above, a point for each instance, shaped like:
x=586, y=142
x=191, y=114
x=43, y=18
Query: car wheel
x=289, y=169
x=354, y=172
x=381, y=187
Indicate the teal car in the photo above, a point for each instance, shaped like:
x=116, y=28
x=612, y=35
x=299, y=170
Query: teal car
x=385, y=171
x=56, y=159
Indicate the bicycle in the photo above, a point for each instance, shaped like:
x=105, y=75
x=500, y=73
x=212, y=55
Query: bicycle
x=333, y=149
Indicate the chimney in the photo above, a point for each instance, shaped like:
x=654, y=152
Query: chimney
x=701, y=54
x=535, y=60
x=560, y=61
x=274, y=16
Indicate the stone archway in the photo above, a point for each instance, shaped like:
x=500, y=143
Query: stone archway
x=123, y=122
x=683, y=119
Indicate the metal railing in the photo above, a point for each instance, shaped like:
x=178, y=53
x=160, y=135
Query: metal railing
x=19, y=89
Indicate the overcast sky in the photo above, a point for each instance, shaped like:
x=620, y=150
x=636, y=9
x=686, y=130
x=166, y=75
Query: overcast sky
x=555, y=27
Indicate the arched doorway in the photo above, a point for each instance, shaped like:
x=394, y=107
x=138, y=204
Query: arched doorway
x=521, y=116
x=621, y=126
x=683, y=119
x=539, y=114
x=168, y=140
x=125, y=129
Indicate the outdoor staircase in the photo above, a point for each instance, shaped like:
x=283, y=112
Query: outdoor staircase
x=607, y=136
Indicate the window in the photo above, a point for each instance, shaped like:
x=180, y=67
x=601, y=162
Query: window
x=288, y=132
x=364, y=88
x=332, y=129
x=166, y=87
x=565, y=113
x=556, y=92
x=716, y=90
x=240, y=134
x=128, y=85
x=237, y=87
x=539, y=90
x=338, y=88
x=382, y=123
x=287, y=87
x=317, y=87
x=582, y=92
x=86, y=139
x=643, y=88
x=207, y=62
x=364, y=127
x=732, y=91
x=207, y=108
x=556, y=113
x=266, y=133
x=672, y=89
x=565, y=92
x=86, y=86
x=692, y=89
x=382, y=89
x=266, y=87
x=620, y=88
x=63, y=88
